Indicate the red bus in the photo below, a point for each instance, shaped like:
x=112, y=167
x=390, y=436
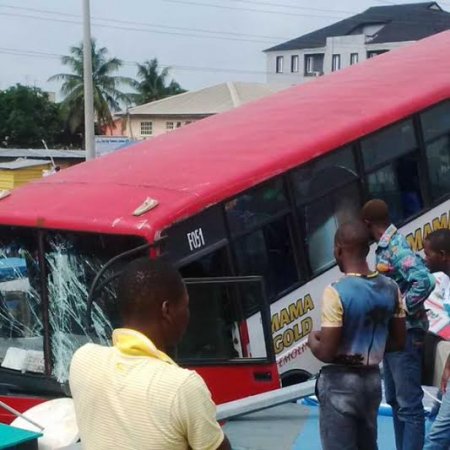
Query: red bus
x=255, y=192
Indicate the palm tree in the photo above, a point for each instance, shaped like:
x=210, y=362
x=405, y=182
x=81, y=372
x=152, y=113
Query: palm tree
x=107, y=96
x=152, y=84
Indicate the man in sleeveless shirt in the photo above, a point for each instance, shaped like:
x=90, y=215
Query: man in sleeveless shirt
x=362, y=317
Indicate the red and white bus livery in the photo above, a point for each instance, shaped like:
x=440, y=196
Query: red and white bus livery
x=246, y=204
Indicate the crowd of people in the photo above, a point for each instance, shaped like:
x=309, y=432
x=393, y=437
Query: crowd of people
x=132, y=395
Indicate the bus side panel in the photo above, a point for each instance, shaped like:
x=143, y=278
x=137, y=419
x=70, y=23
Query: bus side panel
x=20, y=404
x=235, y=381
x=296, y=314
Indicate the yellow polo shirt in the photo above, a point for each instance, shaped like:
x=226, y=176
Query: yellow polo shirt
x=134, y=397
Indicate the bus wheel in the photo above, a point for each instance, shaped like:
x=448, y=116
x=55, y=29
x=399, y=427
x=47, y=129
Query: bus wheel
x=294, y=377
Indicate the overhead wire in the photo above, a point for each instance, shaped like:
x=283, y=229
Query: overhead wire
x=38, y=54
x=292, y=6
x=22, y=52
x=265, y=11
x=130, y=22
x=144, y=30
x=268, y=43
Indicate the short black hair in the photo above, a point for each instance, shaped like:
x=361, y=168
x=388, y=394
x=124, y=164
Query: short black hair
x=376, y=211
x=354, y=235
x=439, y=240
x=145, y=283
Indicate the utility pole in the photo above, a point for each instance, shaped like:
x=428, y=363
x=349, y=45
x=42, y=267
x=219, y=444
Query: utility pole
x=89, y=132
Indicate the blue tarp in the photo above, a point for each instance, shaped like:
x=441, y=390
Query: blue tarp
x=12, y=269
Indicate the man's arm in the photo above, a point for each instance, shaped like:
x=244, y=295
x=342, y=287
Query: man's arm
x=396, y=340
x=397, y=335
x=324, y=344
x=225, y=445
x=445, y=376
x=194, y=414
x=421, y=282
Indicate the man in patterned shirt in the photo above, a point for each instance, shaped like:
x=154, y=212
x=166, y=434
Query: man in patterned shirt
x=403, y=370
x=362, y=317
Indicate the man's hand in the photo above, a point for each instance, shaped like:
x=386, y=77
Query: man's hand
x=445, y=376
x=313, y=340
x=324, y=344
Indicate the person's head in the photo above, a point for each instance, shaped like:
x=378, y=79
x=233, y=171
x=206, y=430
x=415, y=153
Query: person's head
x=437, y=251
x=375, y=214
x=153, y=300
x=351, y=244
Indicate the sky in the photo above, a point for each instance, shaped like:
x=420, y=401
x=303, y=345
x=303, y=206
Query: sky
x=205, y=42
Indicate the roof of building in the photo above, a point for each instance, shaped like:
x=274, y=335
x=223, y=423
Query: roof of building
x=407, y=22
x=216, y=158
x=41, y=153
x=21, y=163
x=207, y=101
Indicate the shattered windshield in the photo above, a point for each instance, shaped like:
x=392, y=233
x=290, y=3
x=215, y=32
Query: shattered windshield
x=21, y=325
x=71, y=262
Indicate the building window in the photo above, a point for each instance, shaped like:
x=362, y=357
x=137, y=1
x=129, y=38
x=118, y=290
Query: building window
x=336, y=63
x=354, y=58
x=294, y=63
x=373, y=53
x=188, y=122
x=146, y=128
x=169, y=126
x=179, y=124
x=314, y=64
x=279, y=64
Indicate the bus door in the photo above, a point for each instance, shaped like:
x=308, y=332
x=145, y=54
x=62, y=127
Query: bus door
x=235, y=359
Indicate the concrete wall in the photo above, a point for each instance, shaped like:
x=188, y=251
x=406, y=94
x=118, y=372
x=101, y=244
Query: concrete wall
x=340, y=45
x=159, y=125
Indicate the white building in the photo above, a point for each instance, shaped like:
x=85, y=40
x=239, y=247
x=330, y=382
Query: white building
x=375, y=31
x=168, y=114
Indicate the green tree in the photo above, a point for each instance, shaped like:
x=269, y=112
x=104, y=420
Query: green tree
x=27, y=117
x=107, y=96
x=152, y=83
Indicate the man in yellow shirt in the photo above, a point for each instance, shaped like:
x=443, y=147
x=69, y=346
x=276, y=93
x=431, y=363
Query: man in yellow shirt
x=132, y=396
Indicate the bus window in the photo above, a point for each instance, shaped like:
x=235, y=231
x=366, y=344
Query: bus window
x=259, y=221
x=436, y=132
x=73, y=260
x=268, y=252
x=321, y=176
x=326, y=194
x=391, y=163
x=214, y=264
x=213, y=328
x=256, y=206
x=398, y=185
x=218, y=328
x=322, y=218
x=388, y=144
x=21, y=326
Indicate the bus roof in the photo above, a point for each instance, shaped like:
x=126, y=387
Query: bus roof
x=194, y=167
